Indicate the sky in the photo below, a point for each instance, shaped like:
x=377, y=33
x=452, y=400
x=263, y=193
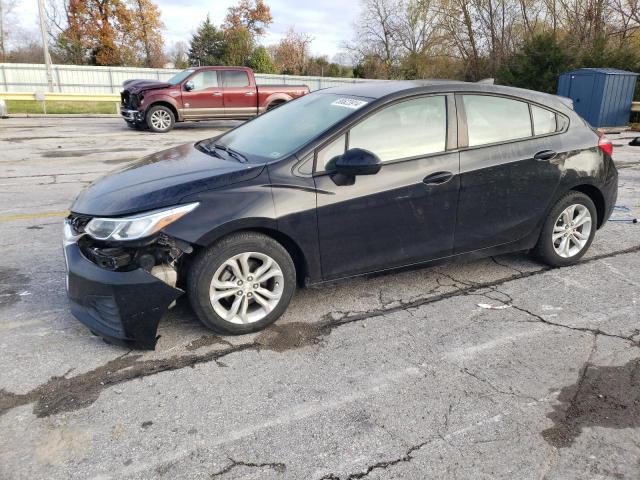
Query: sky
x=329, y=22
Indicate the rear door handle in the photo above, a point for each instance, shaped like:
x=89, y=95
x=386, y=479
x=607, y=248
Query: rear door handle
x=545, y=155
x=217, y=94
x=438, y=178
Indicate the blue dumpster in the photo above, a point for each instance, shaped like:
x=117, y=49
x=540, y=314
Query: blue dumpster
x=602, y=96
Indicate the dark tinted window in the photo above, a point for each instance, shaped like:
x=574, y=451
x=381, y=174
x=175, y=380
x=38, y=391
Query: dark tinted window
x=495, y=119
x=204, y=80
x=235, y=78
x=406, y=129
x=544, y=121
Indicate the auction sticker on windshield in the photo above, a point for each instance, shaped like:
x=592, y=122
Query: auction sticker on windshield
x=349, y=103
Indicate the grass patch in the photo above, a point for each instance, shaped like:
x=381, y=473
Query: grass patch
x=32, y=106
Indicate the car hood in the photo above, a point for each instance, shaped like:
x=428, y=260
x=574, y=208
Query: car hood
x=137, y=86
x=160, y=180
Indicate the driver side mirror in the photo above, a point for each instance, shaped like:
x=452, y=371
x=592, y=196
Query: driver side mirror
x=358, y=161
x=188, y=86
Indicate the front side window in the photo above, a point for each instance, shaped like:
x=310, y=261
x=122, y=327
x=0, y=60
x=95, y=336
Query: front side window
x=407, y=129
x=544, y=121
x=205, y=80
x=495, y=119
x=235, y=78
x=329, y=154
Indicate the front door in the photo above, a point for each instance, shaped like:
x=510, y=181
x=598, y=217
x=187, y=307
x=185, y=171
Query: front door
x=240, y=98
x=205, y=99
x=406, y=212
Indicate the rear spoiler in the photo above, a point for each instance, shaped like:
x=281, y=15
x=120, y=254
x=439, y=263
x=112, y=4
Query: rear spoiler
x=566, y=101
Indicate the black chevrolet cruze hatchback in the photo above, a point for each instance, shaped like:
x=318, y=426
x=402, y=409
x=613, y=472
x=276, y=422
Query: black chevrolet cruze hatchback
x=340, y=182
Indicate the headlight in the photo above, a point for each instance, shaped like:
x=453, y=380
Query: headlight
x=137, y=226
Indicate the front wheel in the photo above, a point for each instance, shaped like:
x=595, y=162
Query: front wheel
x=568, y=230
x=242, y=283
x=160, y=119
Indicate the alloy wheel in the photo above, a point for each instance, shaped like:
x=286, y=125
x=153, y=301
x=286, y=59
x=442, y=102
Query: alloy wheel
x=246, y=287
x=571, y=230
x=160, y=119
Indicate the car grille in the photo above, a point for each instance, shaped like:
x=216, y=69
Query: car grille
x=129, y=100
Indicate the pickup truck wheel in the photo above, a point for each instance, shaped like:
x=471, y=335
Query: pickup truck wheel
x=134, y=125
x=273, y=105
x=160, y=119
x=242, y=283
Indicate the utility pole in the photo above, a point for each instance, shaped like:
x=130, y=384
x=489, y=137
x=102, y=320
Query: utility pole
x=1, y=33
x=45, y=45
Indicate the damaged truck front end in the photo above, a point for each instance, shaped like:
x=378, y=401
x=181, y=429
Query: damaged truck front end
x=123, y=273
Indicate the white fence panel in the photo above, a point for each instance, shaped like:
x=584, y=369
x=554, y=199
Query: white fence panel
x=23, y=77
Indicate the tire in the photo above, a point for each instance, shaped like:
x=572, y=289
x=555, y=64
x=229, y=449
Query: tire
x=273, y=105
x=550, y=250
x=134, y=125
x=160, y=119
x=214, y=262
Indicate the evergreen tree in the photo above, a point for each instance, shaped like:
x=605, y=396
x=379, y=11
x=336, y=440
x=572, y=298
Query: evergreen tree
x=260, y=61
x=537, y=65
x=207, y=45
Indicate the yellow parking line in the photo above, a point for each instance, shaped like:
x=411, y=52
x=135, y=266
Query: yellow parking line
x=27, y=216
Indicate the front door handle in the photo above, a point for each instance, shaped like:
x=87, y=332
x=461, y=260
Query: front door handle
x=249, y=94
x=545, y=155
x=217, y=94
x=438, y=178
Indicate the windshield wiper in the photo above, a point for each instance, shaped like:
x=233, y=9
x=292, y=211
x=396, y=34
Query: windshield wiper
x=232, y=153
x=205, y=147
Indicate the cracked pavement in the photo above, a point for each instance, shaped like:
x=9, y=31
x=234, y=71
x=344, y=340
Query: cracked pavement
x=400, y=375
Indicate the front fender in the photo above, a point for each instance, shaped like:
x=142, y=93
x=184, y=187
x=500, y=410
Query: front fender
x=151, y=99
x=235, y=207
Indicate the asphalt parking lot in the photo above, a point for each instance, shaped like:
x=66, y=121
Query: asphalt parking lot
x=397, y=376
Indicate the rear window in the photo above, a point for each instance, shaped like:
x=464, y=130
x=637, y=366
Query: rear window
x=495, y=119
x=235, y=78
x=544, y=121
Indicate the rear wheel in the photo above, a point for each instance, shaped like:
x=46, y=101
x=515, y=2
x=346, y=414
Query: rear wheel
x=160, y=119
x=568, y=230
x=242, y=283
x=273, y=105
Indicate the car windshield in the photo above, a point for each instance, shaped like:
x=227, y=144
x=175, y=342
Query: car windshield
x=284, y=130
x=178, y=77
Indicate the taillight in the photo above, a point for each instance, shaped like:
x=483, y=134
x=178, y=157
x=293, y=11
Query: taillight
x=605, y=145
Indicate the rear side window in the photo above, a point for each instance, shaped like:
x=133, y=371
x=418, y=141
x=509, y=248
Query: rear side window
x=495, y=119
x=235, y=78
x=544, y=121
x=407, y=129
x=204, y=80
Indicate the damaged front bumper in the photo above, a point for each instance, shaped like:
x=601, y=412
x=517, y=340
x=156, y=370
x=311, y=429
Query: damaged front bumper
x=133, y=116
x=125, y=307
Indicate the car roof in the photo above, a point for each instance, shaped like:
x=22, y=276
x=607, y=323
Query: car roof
x=400, y=88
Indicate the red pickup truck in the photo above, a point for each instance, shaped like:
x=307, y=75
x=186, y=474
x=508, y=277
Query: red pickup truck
x=202, y=93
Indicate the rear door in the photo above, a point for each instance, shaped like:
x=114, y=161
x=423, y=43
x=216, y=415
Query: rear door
x=240, y=99
x=406, y=212
x=508, y=173
x=205, y=99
